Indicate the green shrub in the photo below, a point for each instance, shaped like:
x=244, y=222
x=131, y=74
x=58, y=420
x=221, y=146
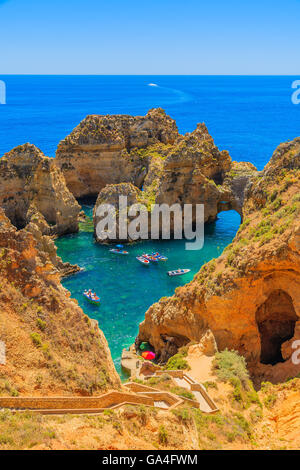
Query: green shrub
x=177, y=362
x=270, y=400
x=162, y=435
x=210, y=384
x=45, y=350
x=242, y=423
x=183, y=414
x=229, y=365
x=181, y=392
x=36, y=339
x=41, y=324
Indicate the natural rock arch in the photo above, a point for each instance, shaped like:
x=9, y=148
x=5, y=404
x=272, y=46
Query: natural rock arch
x=276, y=319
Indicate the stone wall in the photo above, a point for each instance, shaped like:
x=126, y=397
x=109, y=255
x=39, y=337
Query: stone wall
x=104, y=401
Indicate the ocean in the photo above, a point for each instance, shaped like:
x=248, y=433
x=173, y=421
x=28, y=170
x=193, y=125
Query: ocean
x=248, y=116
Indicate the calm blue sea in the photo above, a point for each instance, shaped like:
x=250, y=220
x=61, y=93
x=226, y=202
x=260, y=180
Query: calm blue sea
x=126, y=287
x=249, y=116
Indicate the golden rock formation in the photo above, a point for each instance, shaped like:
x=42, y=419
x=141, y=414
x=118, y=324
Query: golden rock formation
x=249, y=297
x=31, y=185
x=51, y=346
x=98, y=150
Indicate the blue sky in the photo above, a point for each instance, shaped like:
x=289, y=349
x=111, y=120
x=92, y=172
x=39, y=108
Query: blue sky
x=149, y=37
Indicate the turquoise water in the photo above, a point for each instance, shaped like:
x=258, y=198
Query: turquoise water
x=126, y=287
x=249, y=116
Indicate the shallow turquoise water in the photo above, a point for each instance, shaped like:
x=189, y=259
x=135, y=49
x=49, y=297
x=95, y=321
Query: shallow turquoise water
x=249, y=116
x=126, y=287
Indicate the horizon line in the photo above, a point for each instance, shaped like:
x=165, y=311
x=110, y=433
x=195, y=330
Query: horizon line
x=143, y=75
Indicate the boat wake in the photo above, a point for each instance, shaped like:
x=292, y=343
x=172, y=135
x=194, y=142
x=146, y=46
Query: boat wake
x=180, y=96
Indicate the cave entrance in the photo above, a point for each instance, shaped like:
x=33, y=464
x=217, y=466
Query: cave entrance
x=276, y=319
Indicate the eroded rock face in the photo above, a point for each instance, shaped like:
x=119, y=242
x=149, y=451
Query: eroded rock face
x=190, y=170
x=193, y=173
x=249, y=297
x=38, y=227
x=149, y=153
x=110, y=195
x=52, y=348
x=98, y=151
x=31, y=184
x=237, y=182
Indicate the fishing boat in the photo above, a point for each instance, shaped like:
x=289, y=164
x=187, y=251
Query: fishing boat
x=143, y=260
x=159, y=257
x=118, y=251
x=150, y=258
x=178, y=272
x=92, y=298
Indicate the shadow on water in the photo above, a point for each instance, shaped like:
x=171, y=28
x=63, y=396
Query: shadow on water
x=126, y=287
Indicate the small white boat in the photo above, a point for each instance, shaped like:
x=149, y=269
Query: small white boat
x=178, y=272
x=118, y=251
x=143, y=260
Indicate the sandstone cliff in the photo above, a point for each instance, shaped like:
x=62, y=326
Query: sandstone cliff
x=98, y=151
x=45, y=244
x=193, y=173
x=188, y=170
x=248, y=297
x=110, y=195
x=31, y=186
x=51, y=346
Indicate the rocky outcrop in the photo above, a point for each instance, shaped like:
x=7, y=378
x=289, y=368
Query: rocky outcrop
x=31, y=186
x=236, y=184
x=52, y=348
x=190, y=170
x=110, y=230
x=193, y=173
x=249, y=297
x=99, y=150
x=37, y=226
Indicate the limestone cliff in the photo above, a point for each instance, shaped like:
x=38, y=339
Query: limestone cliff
x=51, y=346
x=190, y=170
x=193, y=173
x=31, y=185
x=248, y=297
x=45, y=244
x=110, y=195
x=98, y=151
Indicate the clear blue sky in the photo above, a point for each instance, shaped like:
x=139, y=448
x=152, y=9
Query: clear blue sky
x=149, y=37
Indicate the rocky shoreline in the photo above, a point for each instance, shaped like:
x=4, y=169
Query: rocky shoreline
x=247, y=298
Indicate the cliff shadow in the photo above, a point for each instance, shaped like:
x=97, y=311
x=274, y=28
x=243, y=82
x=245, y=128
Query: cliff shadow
x=276, y=319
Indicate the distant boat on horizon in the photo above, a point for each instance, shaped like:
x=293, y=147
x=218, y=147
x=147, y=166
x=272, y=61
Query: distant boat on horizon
x=152, y=84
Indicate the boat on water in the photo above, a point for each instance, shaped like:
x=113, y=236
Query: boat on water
x=150, y=258
x=178, y=272
x=118, y=251
x=143, y=260
x=91, y=297
x=154, y=257
x=159, y=257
